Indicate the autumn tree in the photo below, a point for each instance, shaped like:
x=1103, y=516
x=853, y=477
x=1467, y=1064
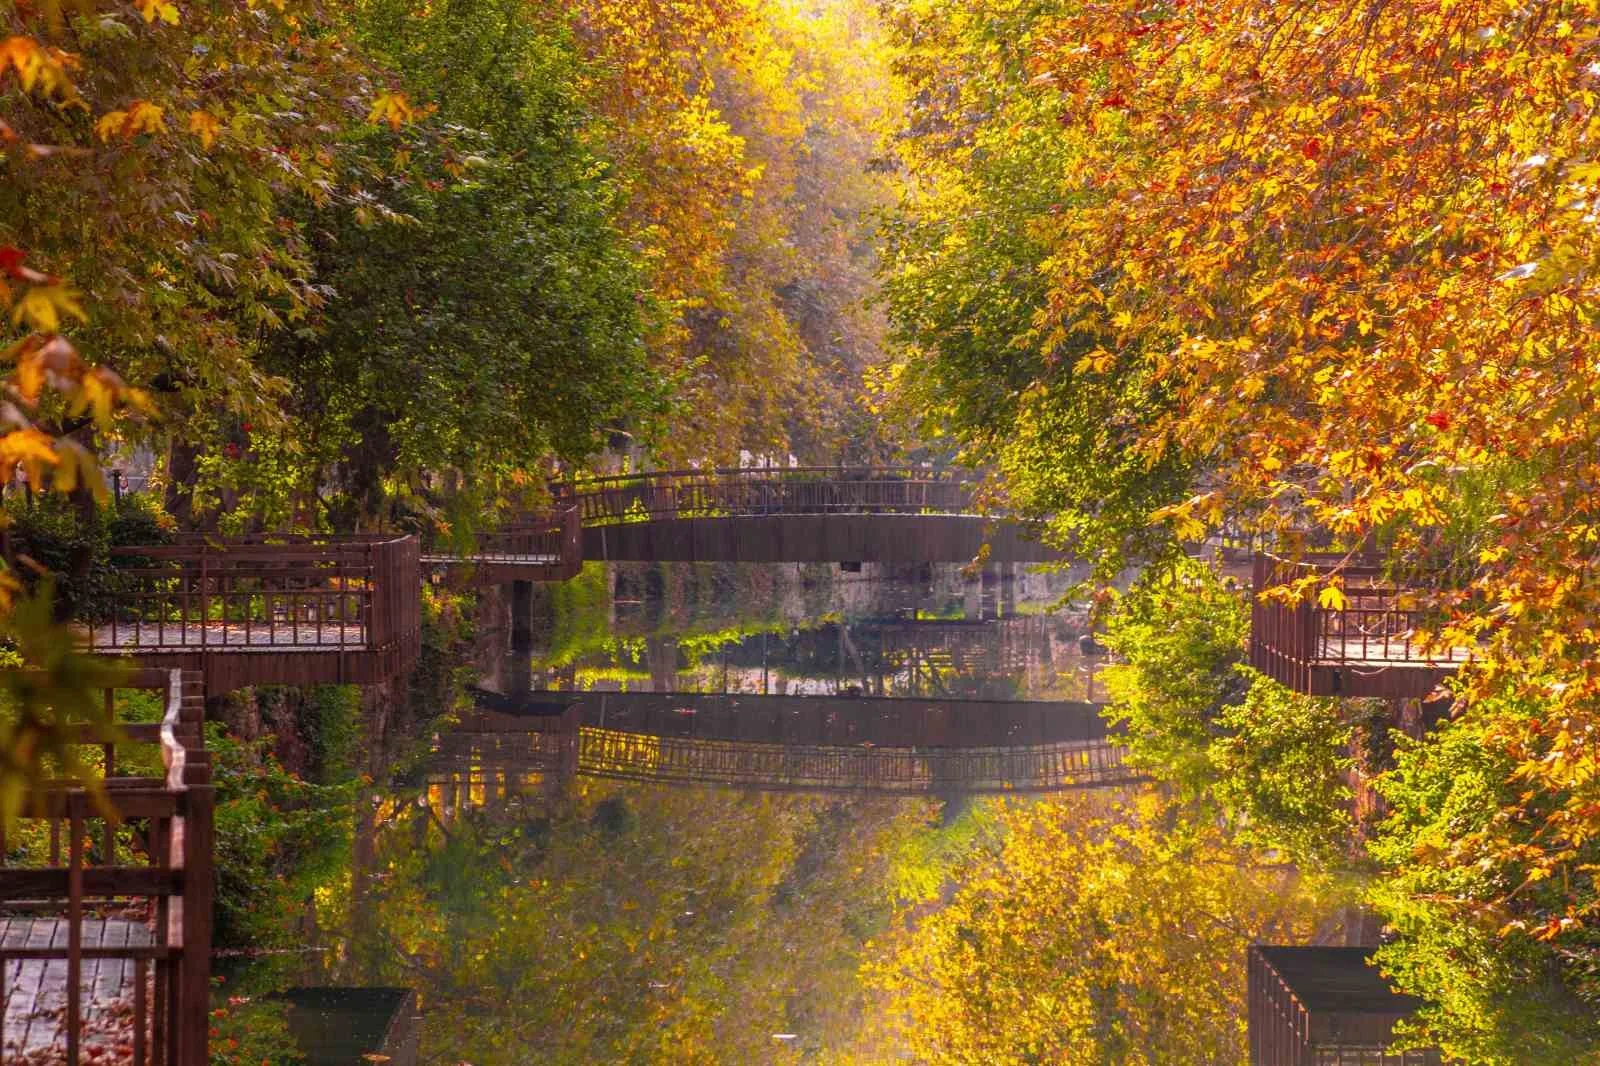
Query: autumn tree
x=1272, y=764
x=967, y=283
x=1494, y=946
x=1331, y=266
x=138, y=214
x=1095, y=930
x=742, y=138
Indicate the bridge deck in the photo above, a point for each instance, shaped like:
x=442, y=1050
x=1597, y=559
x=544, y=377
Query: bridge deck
x=35, y=990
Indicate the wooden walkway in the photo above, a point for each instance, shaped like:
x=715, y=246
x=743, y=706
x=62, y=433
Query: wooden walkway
x=86, y=980
x=35, y=991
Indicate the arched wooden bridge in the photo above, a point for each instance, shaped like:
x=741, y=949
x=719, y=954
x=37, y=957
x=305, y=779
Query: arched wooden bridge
x=794, y=514
x=752, y=515
x=784, y=743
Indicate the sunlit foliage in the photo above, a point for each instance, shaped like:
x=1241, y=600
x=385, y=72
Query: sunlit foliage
x=1096, y=930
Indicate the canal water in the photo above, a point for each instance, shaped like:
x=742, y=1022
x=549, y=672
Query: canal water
x=498, y=908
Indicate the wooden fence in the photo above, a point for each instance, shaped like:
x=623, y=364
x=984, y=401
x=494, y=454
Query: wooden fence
x=267, y=609
x=675, y=494
x=1366, y=644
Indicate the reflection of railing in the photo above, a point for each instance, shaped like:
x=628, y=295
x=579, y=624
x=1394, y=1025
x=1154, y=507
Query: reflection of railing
x=794, y=743
x=532, y=549
x=276, y=598
x=771, y=491
x=68, y=980
x=1361, y=640
x=1036, y=768
x=842, y=721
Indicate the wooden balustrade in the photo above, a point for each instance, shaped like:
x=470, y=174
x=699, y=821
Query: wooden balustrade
x=676, y=494
x=1324, y=1006
x=1369, y=644
x=792, y=743
x=548, y=548
x=786, y=767
x=106, y=943
x=267, y=609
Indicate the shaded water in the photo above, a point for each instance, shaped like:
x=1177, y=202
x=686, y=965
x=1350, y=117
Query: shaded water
x=542, y=915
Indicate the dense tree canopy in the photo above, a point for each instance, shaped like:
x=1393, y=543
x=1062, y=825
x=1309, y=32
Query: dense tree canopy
x=1300, y=266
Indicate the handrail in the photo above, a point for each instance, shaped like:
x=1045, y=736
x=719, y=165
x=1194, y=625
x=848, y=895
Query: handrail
x=770, y=491
x=945, y=474
x=303, y=596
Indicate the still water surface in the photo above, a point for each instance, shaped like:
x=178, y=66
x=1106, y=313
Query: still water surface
x=543, y=916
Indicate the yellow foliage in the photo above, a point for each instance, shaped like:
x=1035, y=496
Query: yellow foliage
x=141, y=116
x=204, y=125
x=159, y=9
x=392, y=108
x=1097, y=931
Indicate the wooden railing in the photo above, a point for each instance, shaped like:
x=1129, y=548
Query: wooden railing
x=793, y=767
x=1364, y=642
x=1324, y=1006
x=147, y=873
x=547, y=548
x=793, y=743
x=350, y=599
x=612, y=753
x=672, y=494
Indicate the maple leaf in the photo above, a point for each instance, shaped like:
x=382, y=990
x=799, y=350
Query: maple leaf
x=42, y=306
x=392, y=108
x=159, y=9
x=204, y=125
x=141, y=117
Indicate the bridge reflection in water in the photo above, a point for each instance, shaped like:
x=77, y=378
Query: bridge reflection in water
x=778, y=743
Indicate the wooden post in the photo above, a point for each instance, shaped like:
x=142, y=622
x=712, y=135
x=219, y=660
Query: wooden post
x=74, y=925
x=194, y=992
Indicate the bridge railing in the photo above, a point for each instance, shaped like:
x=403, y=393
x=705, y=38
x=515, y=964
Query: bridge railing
x=208, y=593
x=540, y=548
x=1367, y=640
x=795, y=767
x=613, y=753
x=117, y=886
x=794, y=743
x=770, y=491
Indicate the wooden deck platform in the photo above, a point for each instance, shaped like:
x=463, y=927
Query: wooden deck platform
x=1368, y=645
x=545, y=547
x=266, y=609
x=33, y=1027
